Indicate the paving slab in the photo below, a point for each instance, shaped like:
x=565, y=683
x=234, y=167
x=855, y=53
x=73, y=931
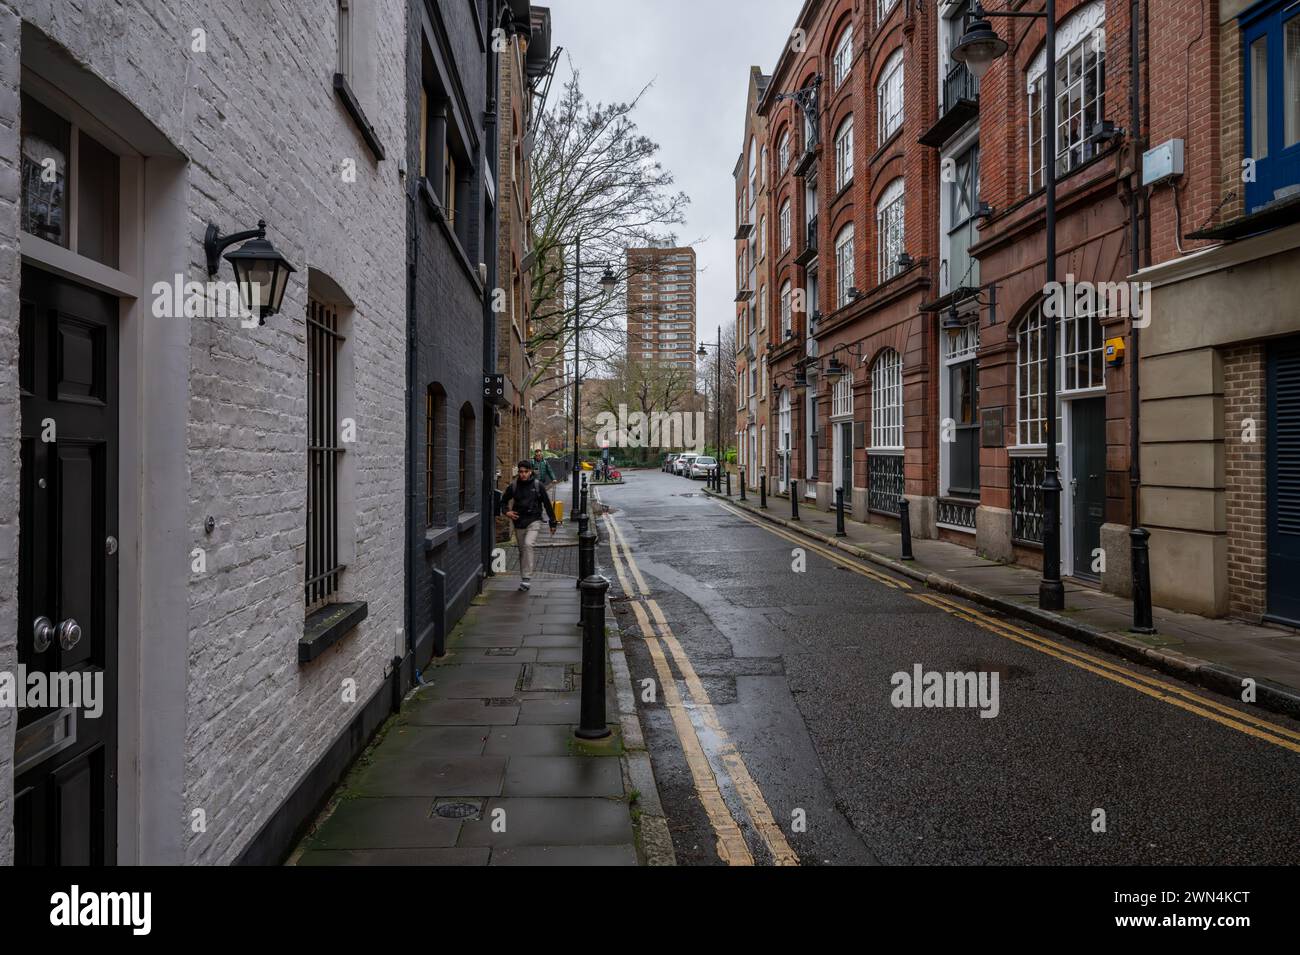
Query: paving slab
x=432, y=712
x=544, y=739
x=562, y=776
x=412, y=739
x=549, y=711
x=551, y=822
x=385, y=823
x=402, y=775
x=398, y=857
x=565, y=856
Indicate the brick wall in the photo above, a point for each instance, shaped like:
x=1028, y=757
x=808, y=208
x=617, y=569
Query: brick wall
x=1245, y=480
x=256, y=721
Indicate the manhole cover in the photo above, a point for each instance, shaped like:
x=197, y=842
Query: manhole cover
x=457, y=810
x=502, y=651
x=500, y=701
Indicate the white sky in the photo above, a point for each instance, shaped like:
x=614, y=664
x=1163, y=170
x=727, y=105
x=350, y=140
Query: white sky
x=698, y=54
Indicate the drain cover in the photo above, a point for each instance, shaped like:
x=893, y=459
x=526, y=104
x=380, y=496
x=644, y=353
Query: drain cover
x=457, y=810
x=502, y=651
x=500, y=701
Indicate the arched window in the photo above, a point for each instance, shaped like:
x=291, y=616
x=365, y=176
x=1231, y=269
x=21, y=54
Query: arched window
x=786, y=318
x=843, y=60
x=889, y=230
x=783, y=151
x=1081, y=365
x=887, y=402
x=844, y=154
x=785, y=226
x=843, y=266
x=889, y=96
x=1080, y=59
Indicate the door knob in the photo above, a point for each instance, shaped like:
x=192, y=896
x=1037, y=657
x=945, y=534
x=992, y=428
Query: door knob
x=42, y=634
x=69, y=634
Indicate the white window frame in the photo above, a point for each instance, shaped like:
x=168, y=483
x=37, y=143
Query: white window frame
x=890, y=229
x=844, y=265
x=785, y=226
x=887, y=401
x=882, y=10
x=842, y=396
x=1081, y=368
x=1085, y=26
x=844, y=154
x=889, y=97
x=783, y=151
x=787, y=317
x=842, y=63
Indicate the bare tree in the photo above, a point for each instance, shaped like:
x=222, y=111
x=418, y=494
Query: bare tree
x=708, y=386
x=646, y=387
x=595, y=179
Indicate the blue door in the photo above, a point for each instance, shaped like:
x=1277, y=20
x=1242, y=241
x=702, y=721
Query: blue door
x=1270, y=34
x=1284, y=481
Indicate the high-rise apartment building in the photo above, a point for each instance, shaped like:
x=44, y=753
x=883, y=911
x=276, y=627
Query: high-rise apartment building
x=661, y=305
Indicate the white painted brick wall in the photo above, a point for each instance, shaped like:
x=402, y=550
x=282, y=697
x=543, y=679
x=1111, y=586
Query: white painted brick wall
x=265, y=133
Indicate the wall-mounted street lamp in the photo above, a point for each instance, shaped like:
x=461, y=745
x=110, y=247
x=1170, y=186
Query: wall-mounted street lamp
x=904, y=261
x=261, y=272
x=978, y=48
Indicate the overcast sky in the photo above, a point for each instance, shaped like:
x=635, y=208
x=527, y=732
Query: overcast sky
x=698, y=54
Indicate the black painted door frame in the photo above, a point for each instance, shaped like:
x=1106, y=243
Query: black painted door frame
x=65, y=805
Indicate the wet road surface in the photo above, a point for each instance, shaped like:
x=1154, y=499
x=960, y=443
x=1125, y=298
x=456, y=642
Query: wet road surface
x=766, y=674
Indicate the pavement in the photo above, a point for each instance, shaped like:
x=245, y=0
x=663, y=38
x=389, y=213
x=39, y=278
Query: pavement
x=1219, y=654
x=482, y=767
x=767, y=664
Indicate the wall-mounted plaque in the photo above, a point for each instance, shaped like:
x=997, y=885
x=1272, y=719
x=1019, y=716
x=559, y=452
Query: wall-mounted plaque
x=992, y=434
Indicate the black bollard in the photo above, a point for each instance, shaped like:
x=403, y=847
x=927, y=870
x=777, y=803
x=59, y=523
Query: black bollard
x=905, y=527
x=582, y=500
x=839, y=513
x=794, y=500
x=728, y=484
x=591, y=721
x=1141, y=560
x=742, y=485
x=586, y=554
x=762, y=491
x=583, y=522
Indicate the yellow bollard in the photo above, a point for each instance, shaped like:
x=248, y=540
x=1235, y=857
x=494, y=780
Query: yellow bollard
x=559, y=511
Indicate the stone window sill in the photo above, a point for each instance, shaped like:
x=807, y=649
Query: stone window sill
x=327, y=626
x=353, y=106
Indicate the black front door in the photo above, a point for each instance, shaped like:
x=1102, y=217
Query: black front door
x=65, y=747
x=1088, y=481
x=1284, y=481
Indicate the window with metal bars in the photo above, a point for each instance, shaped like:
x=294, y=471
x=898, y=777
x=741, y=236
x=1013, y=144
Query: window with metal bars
x=887, y=402
x=431, y=410
x=324, y=453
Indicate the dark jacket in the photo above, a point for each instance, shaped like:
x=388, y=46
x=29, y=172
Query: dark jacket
x=530, y=500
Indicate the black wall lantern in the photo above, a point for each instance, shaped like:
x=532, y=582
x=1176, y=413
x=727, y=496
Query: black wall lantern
x=261, y=272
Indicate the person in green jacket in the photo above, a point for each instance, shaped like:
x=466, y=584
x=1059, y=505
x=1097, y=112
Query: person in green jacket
x=542, y=470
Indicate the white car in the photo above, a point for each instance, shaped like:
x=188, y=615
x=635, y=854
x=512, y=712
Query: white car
x=682, y=464
x=703, y=467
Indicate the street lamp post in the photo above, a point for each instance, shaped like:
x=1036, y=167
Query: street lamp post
x=978, y=48
x=607, y=281
x=717, y=403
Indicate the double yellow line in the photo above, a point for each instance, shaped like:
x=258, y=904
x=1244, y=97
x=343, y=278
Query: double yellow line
x=731, y=845
x=1148, y=685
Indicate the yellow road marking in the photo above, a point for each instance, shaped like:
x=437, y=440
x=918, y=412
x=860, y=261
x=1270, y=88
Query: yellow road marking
x=826, y=552
x=751, y=796
x=949, y=605
x=731, y=847
x=1149, y=686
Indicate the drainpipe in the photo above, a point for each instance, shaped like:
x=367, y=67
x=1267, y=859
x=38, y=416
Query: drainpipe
x=487, y=503
x=1135, y=263
x=412, y=371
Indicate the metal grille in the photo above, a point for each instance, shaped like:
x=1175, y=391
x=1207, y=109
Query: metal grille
x=1027, y=499
x=323, y=453
x=885, y=487
x=957, y=514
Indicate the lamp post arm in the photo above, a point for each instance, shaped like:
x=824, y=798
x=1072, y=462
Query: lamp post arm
x=214, y=243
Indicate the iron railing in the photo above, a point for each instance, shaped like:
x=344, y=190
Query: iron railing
x=884, y=483
x=1027, y=499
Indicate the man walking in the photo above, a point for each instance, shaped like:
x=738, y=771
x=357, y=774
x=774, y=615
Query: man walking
x=542, y=469
x=524, y=502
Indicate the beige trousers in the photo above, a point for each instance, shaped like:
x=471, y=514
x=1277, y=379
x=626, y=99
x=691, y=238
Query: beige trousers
x=527, y=539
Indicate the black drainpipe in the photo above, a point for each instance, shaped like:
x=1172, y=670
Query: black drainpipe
x=491, y=150
x=412, y=371
x=1136, y=217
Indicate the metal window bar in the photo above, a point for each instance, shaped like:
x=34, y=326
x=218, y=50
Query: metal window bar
x=1027, y=499
x=323, y=454
x=430, y=410
x=957, y=514
x=885, y=483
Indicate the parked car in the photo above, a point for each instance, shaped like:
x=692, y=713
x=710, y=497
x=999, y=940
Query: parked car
x=703, y=467
x=667, y=466
x=683, y=462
